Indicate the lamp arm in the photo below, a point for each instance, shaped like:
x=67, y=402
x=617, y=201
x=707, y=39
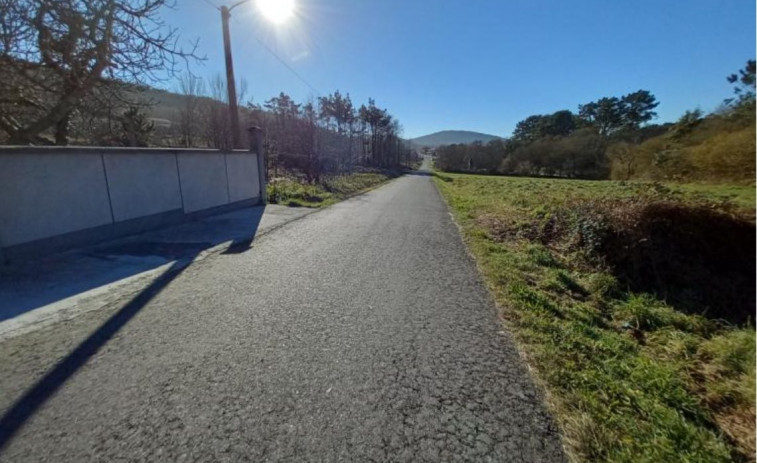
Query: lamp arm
x=237, y=4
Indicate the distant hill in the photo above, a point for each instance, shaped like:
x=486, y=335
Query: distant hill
x=164, y=105
x=449, y=137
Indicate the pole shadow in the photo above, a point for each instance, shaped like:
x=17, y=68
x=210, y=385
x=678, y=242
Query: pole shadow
x=36, y=396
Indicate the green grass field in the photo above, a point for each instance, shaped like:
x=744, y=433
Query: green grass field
x=629, y=376
x=332, y=189
x=742, y=196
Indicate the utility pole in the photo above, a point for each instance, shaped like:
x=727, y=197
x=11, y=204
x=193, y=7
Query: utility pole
x=230, y=84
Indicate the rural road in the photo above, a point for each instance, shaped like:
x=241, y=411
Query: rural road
x=359, y=333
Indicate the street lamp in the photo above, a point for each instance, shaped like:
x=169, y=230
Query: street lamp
x=276, y=11
x=230, y=85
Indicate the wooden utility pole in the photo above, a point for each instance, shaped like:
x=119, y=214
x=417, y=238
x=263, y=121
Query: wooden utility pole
x=230, y=85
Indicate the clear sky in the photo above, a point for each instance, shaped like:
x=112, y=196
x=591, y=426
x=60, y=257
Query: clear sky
x=482, y=65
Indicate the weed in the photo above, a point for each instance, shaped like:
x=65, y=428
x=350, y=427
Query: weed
x=297, y=193
x=540, y=255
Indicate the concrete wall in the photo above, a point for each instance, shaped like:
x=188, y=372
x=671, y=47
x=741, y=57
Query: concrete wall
x=142, y=184
x=52, y=198
x=244, y=181
x=205, y=184
x=50, y=194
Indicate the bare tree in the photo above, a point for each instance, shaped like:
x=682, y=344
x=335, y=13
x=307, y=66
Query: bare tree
x=310, y=141
x=192, y=88
x=55, y=53
x=98, y=117
x=215, y=112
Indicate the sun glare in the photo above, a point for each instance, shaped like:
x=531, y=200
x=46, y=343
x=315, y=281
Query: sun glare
x=277, y=11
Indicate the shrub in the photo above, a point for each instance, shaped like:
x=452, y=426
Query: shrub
x=717, y=148
x=698, y=256
x=726, y=156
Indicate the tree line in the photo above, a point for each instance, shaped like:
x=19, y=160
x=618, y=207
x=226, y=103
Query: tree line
x=561, y=144
x=330, y=134
x=324, y=134
x=719, y=146
x=612, y=138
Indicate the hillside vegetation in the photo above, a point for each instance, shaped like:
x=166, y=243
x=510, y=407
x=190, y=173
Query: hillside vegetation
x=632, y=301
x=613, y=137
x=719, y=147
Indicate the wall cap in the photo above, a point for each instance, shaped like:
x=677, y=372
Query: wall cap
x=111, y=150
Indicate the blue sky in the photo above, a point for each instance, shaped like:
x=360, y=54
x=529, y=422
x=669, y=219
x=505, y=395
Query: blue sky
x=483, y=65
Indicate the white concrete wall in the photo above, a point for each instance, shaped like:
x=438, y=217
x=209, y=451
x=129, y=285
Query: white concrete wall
x=142, y=184
x=203, y=180
x=244, y=178
x=51, y=191
x=44, y=195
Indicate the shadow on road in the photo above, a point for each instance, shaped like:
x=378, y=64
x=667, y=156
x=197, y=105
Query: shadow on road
x=30, y=285
x=169, y=246
x=421, y=173
x=238, y=247
x=25, y=407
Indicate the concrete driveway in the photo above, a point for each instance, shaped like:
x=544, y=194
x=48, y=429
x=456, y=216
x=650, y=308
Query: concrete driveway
x=361, y=332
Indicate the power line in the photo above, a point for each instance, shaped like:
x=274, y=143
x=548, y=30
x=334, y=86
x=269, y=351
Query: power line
x=296, y=74
x=211, y=4
x=280, y=60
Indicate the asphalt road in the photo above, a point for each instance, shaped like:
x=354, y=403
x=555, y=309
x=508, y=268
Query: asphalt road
x=359, y=333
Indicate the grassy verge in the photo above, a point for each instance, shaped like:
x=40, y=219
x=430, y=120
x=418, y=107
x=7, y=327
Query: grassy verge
x=633, y=373
x=331, y=189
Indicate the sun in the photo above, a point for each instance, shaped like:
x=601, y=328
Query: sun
x=276, y=11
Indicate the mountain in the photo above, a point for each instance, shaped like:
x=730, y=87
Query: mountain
x=449, y=137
